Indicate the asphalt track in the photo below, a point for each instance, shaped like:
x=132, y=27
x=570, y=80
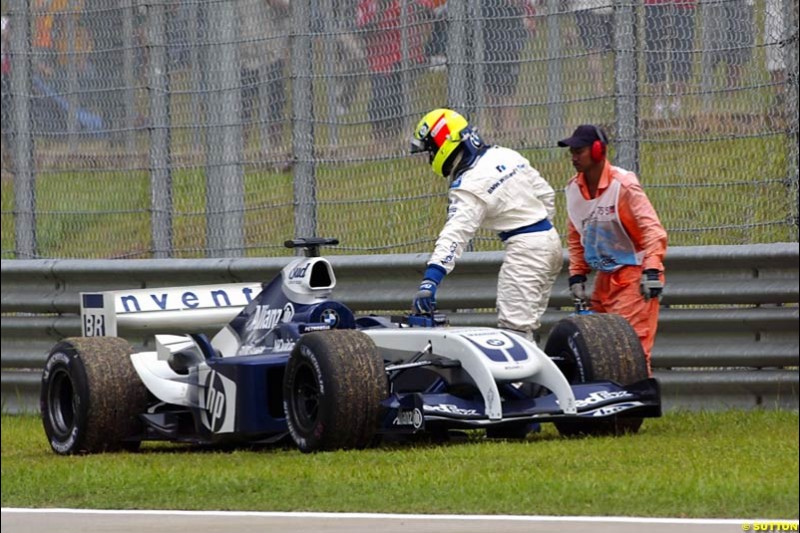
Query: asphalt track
x=95, y=521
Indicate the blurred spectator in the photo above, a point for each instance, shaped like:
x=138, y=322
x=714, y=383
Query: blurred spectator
x=43, y=38
x=732, y=34
x=595, y=22
x=45, y=114
x=264, y=38
x=350, y=59
x=76, y=52
x=381, y=23
x=105, y=28
x=333, y=21
x=669, y=35
x=506, y=24
x=436, y=47
x=63, y=47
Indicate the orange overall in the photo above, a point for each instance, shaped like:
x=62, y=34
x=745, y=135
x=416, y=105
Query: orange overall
x=617, y=287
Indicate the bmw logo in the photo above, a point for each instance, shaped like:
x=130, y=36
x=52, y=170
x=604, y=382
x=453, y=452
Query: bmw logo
x=475, y=140
x=330, y=317
x=495, y=342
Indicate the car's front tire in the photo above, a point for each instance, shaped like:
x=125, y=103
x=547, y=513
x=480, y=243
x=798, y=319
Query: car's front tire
x=91, y=396
x=597, y=347
x=332, y=389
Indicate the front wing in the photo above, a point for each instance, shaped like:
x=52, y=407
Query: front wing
x=411, y=412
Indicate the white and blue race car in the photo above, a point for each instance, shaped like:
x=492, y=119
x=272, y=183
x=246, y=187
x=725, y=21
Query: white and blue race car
x=292, y=363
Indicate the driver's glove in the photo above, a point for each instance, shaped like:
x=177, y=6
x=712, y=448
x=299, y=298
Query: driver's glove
x=577, y=286
x=651, y=286
x=425, y=299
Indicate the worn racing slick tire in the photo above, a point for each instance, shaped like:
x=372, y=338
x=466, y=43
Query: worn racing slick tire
x=332, y=389
x=91, y=396
x=597, y=347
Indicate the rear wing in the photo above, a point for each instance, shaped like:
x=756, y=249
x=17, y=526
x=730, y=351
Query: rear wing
x=164, y=310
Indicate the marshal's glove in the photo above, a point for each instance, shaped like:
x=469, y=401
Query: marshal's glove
x=425, y=299
x=577, y=286
x=651, y=286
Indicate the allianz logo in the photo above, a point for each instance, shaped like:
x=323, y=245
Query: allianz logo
x=265, y=318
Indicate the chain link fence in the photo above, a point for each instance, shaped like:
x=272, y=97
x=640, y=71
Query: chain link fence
x=141, y=129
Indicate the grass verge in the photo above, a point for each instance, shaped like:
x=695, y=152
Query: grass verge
x=731, y=464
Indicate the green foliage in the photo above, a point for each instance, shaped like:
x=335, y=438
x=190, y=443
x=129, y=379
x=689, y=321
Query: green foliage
x=731, y=464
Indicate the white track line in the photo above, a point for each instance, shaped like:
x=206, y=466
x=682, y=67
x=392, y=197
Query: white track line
x=516, y=518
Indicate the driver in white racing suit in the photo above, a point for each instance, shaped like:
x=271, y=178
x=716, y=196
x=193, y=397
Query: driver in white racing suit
x=494, y=188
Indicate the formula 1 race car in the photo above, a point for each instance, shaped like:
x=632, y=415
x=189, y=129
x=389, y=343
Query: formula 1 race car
x=292, y=362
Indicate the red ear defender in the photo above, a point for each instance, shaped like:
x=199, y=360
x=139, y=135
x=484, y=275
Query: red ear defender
x=597, y=151
x=599, y=146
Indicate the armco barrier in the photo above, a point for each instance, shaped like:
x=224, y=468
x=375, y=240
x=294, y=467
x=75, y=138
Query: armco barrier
x=728, y=331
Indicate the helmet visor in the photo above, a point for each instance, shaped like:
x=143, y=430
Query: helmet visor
x=418, y=146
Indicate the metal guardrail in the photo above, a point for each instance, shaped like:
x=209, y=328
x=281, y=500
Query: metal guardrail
x=728, y=330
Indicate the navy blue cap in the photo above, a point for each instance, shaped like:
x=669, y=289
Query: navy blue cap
x=584, y=135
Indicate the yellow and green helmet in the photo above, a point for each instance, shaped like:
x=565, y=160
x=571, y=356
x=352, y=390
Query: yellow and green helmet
x=440, y=132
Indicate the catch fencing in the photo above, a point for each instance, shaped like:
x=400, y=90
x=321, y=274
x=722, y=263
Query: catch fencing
x=728, y=329
x=173, y=129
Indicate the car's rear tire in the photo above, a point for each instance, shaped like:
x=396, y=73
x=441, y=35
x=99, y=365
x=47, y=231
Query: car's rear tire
x=332, y=389
x=597, y=347
x=91, y=396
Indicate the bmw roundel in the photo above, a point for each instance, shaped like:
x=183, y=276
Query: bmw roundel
x=475, y=139
x=492, y=340
x=330, y=317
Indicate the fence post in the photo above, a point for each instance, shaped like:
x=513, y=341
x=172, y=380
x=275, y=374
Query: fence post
x=626, y=80
x=555, y=86
x=160, y=160
x=478, y=69
x=789, y=39
x=224, y=174
x=330, y=25
x=129, y=76
x=706, y=65
x=196, y=26
x=305, y=203
x=457, y=72
x=405, y=65
x=72, y=77
x=24, y=175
